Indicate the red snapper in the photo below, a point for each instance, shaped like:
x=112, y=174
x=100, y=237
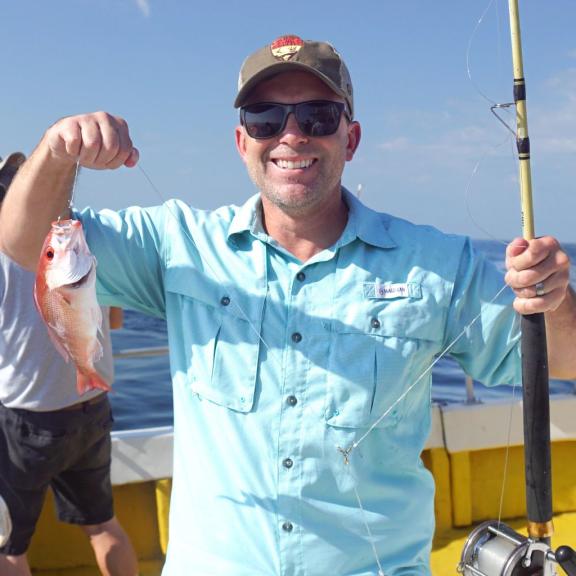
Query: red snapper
x=65, y=294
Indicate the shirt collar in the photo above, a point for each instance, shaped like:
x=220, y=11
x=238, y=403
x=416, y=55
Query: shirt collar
x=369, y=226
x=366, y=224
x=248, y=218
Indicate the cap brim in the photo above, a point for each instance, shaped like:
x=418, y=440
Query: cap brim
x=279, y=68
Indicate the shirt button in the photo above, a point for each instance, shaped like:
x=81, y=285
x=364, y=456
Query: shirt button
x=292, y=400
x=301, y=276
x=224, y=300
x=287, y=527
x=375, y=323
x=296, y=337
x=287, y=463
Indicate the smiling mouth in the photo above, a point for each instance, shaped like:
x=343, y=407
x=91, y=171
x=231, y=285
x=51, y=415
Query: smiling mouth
x=297, y=165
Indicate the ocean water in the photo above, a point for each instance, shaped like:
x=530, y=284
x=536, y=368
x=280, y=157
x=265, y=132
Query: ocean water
x=142, y=396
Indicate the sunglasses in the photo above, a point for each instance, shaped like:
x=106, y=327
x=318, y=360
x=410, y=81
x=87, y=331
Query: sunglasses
x=315, y=118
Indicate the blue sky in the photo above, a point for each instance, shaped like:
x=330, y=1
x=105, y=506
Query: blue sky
x=431, y=151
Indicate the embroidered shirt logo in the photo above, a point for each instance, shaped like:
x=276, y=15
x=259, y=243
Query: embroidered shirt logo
x=285, y=47
x=389, y=291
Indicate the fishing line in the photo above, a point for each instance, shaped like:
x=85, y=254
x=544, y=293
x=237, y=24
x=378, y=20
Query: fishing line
x=347, y=451
x=499, y=36
x=212, y=271
x=268, y=347
x=494, y=108
x=506, y=455
x=367, y=528
x=68, y=208
x=469, y=50
x=468, y=192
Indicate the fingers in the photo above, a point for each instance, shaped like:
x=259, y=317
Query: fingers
x=516, y=247
x=133, y=158
x=98, y=140
x=538, y=272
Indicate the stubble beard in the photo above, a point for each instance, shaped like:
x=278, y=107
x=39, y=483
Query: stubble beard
x=293, y=198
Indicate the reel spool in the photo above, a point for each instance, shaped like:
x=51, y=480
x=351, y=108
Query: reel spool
x=494, y=549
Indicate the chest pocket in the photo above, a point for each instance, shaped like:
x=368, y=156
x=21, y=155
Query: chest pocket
x=378, y=351
x=221, y=328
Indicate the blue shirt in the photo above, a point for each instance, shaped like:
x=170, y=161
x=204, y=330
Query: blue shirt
x=302, y=389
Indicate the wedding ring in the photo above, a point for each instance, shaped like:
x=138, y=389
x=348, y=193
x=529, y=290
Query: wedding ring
x=539, y=288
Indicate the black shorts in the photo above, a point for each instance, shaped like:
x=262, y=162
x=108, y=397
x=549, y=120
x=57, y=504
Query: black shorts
x=68, y=450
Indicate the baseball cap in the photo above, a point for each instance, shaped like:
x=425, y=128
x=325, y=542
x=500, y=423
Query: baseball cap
x=292, y=53
x=8, y=168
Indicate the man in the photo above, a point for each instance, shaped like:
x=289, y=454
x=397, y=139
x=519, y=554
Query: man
x=301, y=325
x=49, y=435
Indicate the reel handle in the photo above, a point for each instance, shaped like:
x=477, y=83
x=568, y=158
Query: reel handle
x=566, y=557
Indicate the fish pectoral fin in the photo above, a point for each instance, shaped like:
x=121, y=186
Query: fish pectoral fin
x=65, y=299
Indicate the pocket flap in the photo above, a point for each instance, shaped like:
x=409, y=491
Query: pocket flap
x=402, y=318
x=230, y=300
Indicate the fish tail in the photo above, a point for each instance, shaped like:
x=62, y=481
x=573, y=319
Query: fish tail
x=86, y=381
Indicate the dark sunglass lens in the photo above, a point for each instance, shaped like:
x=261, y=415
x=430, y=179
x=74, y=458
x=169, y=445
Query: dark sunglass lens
x=263, y=120
x=319, y=118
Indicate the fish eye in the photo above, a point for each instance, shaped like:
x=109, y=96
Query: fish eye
x=50, y=253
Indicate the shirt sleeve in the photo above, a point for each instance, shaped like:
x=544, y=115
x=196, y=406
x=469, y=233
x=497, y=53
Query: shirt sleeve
x=128, y=246
x=483, y=330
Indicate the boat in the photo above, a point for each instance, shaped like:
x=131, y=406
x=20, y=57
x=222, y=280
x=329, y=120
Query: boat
x=474, y=451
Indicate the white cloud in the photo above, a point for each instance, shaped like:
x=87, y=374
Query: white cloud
x=448, y=146
x=144, y=7
x=553, y=126
x=395, y=144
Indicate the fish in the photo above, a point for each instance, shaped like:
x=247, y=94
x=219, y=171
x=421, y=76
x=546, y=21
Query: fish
x=65, y=296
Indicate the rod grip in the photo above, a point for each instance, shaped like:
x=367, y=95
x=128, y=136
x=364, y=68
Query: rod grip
x=535, y=388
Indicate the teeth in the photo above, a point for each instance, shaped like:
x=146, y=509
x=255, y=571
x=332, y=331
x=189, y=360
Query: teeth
x=288, y=165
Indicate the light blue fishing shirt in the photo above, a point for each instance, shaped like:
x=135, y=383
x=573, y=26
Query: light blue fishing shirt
x=279, y=367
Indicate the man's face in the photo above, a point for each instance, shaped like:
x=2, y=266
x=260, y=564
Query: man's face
x=293, y=171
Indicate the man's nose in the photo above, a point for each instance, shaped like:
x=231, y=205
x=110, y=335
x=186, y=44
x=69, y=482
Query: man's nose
x=292, y=130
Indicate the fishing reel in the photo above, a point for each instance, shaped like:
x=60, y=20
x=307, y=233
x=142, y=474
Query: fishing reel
x=494, y=549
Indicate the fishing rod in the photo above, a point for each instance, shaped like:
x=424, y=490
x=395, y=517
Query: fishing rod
x=494, y=549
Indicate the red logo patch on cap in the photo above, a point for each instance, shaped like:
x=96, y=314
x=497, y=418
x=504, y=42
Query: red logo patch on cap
x=285, y=47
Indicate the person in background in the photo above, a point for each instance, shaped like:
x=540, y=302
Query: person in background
x=301, y=326
x=49, y=435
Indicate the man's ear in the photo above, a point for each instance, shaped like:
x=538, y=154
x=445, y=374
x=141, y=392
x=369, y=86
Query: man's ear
x=354, y=136
x=241, y=141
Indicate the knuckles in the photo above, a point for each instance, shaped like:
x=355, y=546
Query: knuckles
x=97, y=139
x=545, y=250
x=562, y=260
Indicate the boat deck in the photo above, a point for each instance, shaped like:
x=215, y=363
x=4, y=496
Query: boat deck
x=448, y=546
x=474, y=453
